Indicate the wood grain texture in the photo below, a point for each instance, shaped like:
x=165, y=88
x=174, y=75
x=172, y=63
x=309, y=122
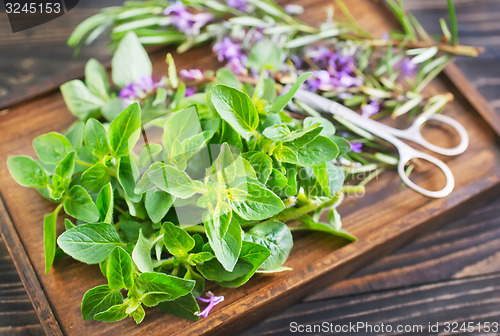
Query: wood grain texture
x=473, y=299
x=399, y=217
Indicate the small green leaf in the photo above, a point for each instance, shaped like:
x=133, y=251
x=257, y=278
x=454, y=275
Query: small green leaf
x=52, y=147
x=142, y=253
x=282, y=100
x=113, y=314
x=75, y=134
x=276, y=132
x=322, y=180
x=123, y=132
x=159, y=287
x=128, y=174
x=343, y=145
x=327, y=127
x=236, y=108
x=96, y=79
x=49, y=238
x=157, y=204
x=175, y=182
x=177, y=241
x=89, y=243
x=316, y=152
x=99, y=299
x=200, y=258
x=95, y=177
x=78, y=204
x=138, y=314
x=119, y=269
x=104, y=203
x=184, y=306
x=80, y=101
x=172, y=71
x=261, y=203
x=262, y=164
x=27, y=172
x=224, y=236
x=277, y=238
x=95, y=138
x=65, y=167
x=130, y=62
x=309, y=224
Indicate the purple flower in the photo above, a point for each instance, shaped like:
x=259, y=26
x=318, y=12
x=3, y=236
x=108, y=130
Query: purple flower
x=407, y=67
x=185, y=21
x=212, y=302
x=241, y=5
x=227, y=49
x=230, y=51
x=137, y=91
x=370, y=109
x=191, y=74
x=356, y=147
x=190, y=91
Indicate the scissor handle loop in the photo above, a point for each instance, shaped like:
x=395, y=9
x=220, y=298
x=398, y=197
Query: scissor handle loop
x=413, y=154
x=414, y=133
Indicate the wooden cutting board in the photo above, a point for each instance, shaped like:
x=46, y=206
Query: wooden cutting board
x=384, y=219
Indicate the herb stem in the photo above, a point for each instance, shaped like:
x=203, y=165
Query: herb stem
x=195, y=229
x=83, y=163
x=293, y=213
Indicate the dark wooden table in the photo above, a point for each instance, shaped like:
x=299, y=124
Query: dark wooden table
x=450, y=275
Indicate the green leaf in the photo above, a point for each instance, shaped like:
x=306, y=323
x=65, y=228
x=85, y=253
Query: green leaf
x=138, y=314
x=172, y=71
x=80, y=101
x=309, y=224
x=27, y=172
x=78, y=204
x=277, y=238
x=75, y=134
x=327, y=127
x=262, y=164
x=95, y=138
x=113, y=314
x=200, y=258
x=145, y=183
x=177, y=241
x=49, y=238
x=99, y=299
x=261, y=203
x=184, y=306
x=214, y=271
x=123, y=132
x=159, y=287
x=298, y=139
x=142, y=253
x=343, y=145
x=236, y=108
x=65, y=167
x=322, y=180
x=127, y=174
x=276, y=132
x=265, y=55
x=316, y=152
x=89, y=243
x=104, y=203
x=175, y=182
x=68, y=224
x=95, y=177
x=119, y=269
x=96, y=79
x=282, y=100
x=130, y=62
x=157, y=204
x=52, y=147
x=224, y=236
x=254, y=255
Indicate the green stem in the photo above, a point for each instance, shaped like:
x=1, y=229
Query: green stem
x=293, y=213
x=83, y=163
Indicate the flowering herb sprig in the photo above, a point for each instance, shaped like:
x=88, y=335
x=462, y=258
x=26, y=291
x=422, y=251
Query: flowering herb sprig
x=380, y=76
x=206, y=193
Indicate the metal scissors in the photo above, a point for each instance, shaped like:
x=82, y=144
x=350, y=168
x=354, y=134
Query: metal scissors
x=390, y=134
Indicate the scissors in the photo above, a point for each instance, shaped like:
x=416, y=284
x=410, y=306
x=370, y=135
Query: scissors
x=390, y=134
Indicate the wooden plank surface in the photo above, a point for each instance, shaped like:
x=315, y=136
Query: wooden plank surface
x=411, y=201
